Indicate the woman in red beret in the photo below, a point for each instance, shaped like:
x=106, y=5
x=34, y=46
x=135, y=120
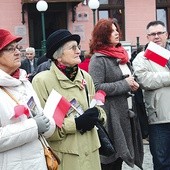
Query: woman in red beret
x=20, y=147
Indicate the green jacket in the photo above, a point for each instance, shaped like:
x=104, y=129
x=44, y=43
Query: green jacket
x=77, y=151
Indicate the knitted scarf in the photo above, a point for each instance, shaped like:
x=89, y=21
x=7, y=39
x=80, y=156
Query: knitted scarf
x=115, y=52
x=70, y=72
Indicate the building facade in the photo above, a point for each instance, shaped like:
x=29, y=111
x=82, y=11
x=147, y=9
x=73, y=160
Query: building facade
x=23, y=19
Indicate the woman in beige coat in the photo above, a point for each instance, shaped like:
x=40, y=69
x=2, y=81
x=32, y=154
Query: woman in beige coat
x=76, y=142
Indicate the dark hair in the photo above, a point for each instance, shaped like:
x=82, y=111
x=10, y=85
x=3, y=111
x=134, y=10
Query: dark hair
x=154, y=23
x=101, y=34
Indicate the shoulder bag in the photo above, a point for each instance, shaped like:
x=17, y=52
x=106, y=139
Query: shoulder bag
x=107, y=148
x=52, y=159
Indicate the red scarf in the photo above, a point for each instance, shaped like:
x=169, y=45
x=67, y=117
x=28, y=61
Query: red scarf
x=116, y=52
x=16, y=74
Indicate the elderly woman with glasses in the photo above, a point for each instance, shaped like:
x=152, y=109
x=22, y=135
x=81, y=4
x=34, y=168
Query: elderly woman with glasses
x=20, y=147
x=76, y=142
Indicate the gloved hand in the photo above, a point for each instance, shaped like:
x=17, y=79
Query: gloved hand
x=87, y=120
x=43, y=123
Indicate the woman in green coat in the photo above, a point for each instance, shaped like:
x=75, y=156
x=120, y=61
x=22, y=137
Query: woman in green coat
x=76, y=142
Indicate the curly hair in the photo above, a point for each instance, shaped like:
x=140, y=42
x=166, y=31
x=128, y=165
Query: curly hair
x=101, y=34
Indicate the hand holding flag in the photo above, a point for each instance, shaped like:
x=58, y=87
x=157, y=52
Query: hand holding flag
x=99, y=98
x=21, y=110
x=157, y=54
x=57, y=107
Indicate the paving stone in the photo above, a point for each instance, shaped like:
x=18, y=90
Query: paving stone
x=147, y=164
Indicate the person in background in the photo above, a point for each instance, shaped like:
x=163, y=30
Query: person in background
x=111, y=72
x=20, y=147
x=140, y=105
x=85, y=62
x=154, y=79
x=76, y=142
x=42, y=67
x=42, y=59
x=30, y=63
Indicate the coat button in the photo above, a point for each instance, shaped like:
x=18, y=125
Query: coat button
x=86, y=154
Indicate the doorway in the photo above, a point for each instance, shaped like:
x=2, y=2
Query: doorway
x=55, y=18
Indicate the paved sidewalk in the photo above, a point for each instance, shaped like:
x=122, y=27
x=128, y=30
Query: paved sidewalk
x=147, y=164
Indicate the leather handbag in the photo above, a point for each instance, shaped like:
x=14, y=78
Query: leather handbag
x=107, y=148
x=52, y=160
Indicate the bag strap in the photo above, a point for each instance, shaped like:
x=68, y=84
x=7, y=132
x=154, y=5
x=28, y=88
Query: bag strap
x=9, y=94
x=47, y=146
x=43, y=141
x=86, y=90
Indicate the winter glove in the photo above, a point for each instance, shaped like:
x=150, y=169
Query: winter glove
x=43, y=123
x=87, y=120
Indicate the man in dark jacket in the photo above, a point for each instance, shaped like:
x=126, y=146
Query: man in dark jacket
x=42, y=67
x=30, y=63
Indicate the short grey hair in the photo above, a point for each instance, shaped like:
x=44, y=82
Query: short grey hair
x=30, y=50
x=58, y=53
x=155, y=23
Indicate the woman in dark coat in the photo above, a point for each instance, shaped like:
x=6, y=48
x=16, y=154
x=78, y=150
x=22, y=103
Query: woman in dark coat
x=111, y=72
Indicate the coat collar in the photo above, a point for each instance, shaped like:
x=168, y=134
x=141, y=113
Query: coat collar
x=7, y=80
x=64, y=81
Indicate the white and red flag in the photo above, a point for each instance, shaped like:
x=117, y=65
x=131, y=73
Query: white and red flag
x=56, y=107
x=98, y=99
x=157, y=54
x=20, y=110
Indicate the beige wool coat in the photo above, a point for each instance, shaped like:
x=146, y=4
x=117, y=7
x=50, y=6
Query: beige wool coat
x=77, y=151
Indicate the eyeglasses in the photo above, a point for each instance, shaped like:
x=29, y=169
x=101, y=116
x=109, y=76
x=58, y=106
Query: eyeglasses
x=11, y=49
x=156, y=33
x=74, y=47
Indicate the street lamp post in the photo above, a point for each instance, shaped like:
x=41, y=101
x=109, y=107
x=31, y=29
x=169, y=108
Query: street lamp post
x=42, y=6
x=93, y=5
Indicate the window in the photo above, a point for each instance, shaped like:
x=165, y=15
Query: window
x=113, y=9
x=163, y=12
x=161, y=15
x=104, y=2
x=103, y=14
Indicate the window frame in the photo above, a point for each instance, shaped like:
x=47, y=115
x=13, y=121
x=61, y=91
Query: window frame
x=165, y=4
x=111, y=7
